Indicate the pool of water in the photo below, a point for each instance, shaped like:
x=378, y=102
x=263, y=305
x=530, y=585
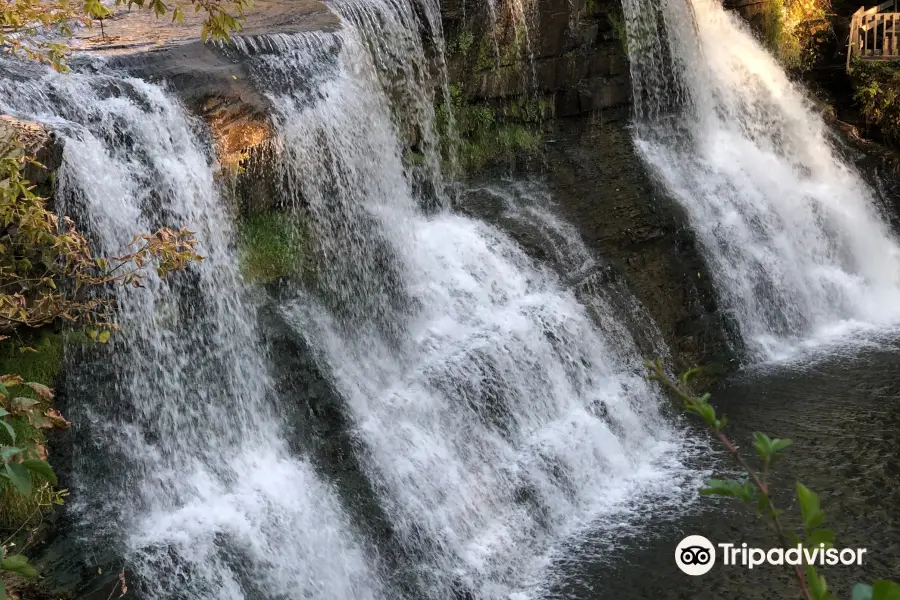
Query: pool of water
x=843, y=413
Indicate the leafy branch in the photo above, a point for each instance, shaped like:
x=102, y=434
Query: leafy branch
x=755, y=490
x=47, y=269
x=23, y=459
x=21, y=22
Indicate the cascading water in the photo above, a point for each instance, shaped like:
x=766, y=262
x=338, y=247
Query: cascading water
x=182, y=464
x=793, y=238
x=494, y=418
x=498, y=405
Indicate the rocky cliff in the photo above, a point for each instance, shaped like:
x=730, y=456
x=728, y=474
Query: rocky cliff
x=571, y=52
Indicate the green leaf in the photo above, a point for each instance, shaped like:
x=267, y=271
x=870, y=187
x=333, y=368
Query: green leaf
x=690, y=373
x=779, y=444
x=730, y=488
x=817, y=586
x=3, y=390
x=7, y=452
x=41, y=390
x=861, y=591
x=763, y=445
x=103, y=337
x=9, y=431
x=19, y=476
x=702, y=409
x=3, y=411
x=821, y=536
x=2, y=590
x=809, y=507
x=18, y=563
x=24, y=402
x=41, y=467
x=885, y=590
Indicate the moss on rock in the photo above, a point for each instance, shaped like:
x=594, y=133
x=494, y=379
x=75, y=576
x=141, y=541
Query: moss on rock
x=33, y=355
x=272, y=246
x=487, y=134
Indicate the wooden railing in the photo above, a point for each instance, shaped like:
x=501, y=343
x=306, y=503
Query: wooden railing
x=874, y=34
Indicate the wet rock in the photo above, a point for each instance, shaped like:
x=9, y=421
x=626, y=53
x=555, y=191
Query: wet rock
x=39, y=142
x=602, y=188
x=573, y=55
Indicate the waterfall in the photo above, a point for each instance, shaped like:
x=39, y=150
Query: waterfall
x=793, y=236
x=494, y=418
x=496, y=404
x=181, y=461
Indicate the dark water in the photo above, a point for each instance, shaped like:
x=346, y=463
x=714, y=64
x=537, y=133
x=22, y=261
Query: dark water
x=843, y=413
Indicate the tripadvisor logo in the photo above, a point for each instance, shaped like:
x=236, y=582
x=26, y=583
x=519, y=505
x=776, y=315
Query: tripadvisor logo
x=696, y=555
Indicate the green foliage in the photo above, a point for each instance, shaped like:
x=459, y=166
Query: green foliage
x=23, y=20
x=880, y=590
x=25, y=477
x=877, y=90
x=462, y=44
x=489, y=135
x=754, y=490
x=272, y=246
x=794, y=31
x=488, y=55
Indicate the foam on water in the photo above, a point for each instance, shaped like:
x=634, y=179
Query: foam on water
x=495, y=419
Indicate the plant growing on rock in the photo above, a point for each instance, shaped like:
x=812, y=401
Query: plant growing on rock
x=877, y=91
x=755, y=490
x=795, y=30
x=47, y=269
x=22, y=458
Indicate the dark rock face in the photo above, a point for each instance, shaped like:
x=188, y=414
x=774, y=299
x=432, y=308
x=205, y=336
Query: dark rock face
x=569, y=51
x=603, y=189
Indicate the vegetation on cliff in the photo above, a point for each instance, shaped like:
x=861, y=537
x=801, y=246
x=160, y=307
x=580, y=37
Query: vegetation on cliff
x=795, y=31
x=877, y=91
x=486, y=134
x=272, y=246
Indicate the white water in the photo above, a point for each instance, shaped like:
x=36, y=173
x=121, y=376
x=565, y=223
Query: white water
x=181, y=463
x=498, y=406
x=495, y=419
x=794, y=241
